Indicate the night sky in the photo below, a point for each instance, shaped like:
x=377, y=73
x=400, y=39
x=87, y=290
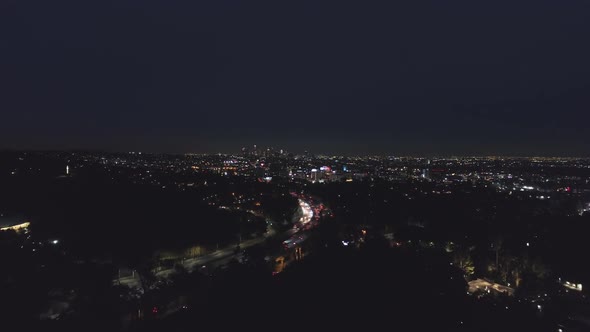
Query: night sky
x=357, y=77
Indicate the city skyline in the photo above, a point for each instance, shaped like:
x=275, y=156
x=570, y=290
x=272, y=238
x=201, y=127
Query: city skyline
x=170, y=240
x=238, y=152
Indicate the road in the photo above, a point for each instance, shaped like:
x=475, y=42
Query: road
x=191, y=264
x=306, y=220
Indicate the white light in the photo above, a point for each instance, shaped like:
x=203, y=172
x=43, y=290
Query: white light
x=528, y=244
x=539, y=306
x=344, y=243
x=55, y=241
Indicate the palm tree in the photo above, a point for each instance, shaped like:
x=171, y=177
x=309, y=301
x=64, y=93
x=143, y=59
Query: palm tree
x=497, y=245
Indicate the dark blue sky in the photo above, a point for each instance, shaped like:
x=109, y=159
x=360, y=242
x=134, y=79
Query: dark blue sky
x=391, y=77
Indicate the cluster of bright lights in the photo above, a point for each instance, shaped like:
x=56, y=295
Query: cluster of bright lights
x=307, y=212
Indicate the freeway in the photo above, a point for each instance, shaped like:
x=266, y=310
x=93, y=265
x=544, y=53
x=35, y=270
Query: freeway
x=192, y=264
x=294, y=236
